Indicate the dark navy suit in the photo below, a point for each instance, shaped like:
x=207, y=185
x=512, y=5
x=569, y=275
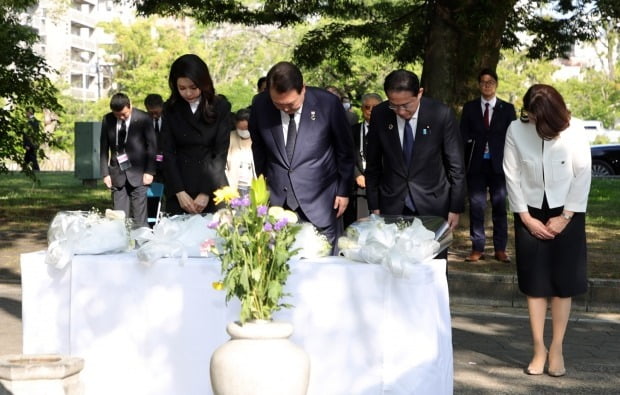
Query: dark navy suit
x=322, y=164
x=485, y=171
x=435, y=176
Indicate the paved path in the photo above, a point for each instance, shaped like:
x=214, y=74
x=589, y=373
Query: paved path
x=491, y=348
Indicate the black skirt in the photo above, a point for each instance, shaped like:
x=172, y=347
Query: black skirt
x=554, y=267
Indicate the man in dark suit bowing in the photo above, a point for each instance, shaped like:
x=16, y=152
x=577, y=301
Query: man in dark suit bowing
x=414, y=155
x=484, y=122
x=127, y=156
x=302, y=143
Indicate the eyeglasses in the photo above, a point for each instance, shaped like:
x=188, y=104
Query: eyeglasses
x=397, y=107
x=488, y=83
x=368, y=107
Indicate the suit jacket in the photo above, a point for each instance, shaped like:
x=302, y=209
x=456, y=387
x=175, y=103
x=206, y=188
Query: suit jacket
x=358, y=170
x=141, y=148
x=322, y=163
x=194, y=151
x=435, y=177
x=559, y=169
x=476, y=135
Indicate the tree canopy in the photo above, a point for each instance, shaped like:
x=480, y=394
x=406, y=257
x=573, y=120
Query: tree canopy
x=24, y=83
x=453, y=39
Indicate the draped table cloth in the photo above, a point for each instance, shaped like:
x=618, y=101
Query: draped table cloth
x=152, y=330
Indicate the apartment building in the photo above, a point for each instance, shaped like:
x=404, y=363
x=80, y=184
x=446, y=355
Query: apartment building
x=70, y=41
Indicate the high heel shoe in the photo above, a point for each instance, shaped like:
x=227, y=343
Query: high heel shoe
x=556, y=373
x=559, y=372
x=533, y=371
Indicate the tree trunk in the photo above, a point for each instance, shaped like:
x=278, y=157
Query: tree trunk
x=464, y=36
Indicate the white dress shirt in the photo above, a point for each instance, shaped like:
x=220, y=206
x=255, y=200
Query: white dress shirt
x=559, y=168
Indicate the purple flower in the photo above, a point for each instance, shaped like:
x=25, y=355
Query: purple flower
x=261, y=210
x=245, y=201
x=280, y=224
x=213, y=225
x=236, y=202
x=267, y=227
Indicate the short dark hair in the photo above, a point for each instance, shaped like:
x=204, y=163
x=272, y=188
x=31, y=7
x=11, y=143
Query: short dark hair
x=488, y=71
x=285, y=76
x=242, y=115
x=401, y=80
x=260, y=82
x=153, y=100
x=547, y=109
x=119, y=101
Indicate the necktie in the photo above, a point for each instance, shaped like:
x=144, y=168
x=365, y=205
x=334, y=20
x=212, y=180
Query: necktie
x=407, y=154
x=157, y=126
x=486, y=115
x=122, y=135
x=407, y=143
x=291, y=135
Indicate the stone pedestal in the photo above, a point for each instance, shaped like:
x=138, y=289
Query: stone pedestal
x=40, y=374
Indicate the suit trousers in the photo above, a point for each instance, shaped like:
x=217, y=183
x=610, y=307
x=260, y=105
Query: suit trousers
x=132, y=200
x=477, y=185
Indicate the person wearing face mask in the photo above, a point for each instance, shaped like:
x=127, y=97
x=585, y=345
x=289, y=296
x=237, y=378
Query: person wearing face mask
x=240, y=161
x=195, y=138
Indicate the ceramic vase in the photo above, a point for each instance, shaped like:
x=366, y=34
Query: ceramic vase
x=259, y=358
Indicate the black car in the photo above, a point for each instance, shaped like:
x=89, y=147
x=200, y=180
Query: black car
x=605, y=159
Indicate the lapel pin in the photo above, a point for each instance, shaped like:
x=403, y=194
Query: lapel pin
x=390, y=126
x=313, y=115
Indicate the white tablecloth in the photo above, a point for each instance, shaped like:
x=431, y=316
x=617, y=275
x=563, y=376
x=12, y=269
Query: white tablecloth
x=152, y=330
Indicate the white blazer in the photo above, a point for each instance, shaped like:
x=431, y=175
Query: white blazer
x=559, y=169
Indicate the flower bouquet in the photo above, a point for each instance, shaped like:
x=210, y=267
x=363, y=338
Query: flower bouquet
x=395, y=241
x=254, y=245
x=86, y=232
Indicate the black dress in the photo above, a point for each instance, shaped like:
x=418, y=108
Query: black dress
x=554, y=267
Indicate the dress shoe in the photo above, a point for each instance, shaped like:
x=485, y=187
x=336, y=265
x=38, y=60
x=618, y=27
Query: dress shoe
x=475, y=256
x=502, y=257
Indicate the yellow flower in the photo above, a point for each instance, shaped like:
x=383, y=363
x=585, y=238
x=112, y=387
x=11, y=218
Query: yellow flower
x=217, y=285
x=225, y=194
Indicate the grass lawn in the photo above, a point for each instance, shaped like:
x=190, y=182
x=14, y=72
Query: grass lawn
x=26, y=209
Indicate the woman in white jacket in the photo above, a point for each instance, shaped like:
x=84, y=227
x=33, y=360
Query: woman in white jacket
x=547, y=166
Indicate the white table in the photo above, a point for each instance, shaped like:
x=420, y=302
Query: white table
x=152, y=330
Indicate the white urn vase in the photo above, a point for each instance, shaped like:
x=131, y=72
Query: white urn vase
x=259, y=358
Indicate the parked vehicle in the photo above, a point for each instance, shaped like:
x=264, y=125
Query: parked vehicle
x=605, y=159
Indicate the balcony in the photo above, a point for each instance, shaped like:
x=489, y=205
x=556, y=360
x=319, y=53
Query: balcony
x=86, y=44
x=79, y=17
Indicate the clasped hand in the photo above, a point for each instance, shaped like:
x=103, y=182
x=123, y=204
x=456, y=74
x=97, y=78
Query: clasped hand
x=192, y=206
x=547, y=231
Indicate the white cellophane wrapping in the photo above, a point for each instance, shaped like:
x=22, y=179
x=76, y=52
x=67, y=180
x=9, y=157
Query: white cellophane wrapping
x=179, y=236
x=396, y=243
x=82, y=232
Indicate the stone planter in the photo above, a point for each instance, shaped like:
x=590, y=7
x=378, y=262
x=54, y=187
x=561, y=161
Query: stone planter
x=40, y=374
x=260, y=359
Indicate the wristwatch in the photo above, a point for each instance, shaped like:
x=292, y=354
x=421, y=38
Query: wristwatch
x=566, y=216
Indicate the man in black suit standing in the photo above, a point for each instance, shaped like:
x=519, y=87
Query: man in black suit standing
x=414, y=155
x=358, y=205
x=302, y=143
x=483, y=125
x=127, y=156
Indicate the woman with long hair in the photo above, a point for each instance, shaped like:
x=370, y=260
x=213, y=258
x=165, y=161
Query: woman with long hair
x=195, y=137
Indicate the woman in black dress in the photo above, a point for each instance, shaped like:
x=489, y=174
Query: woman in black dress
x=195, y=137
x=547, y=164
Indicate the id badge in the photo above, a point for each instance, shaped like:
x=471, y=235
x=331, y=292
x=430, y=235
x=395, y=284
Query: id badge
x=123, y=161
x=159, y=157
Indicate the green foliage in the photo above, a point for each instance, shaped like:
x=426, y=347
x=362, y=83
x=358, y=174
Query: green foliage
x=23, y=83
x=254, y=249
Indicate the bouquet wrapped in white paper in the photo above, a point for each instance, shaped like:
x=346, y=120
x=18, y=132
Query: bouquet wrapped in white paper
x=179, y=236
x=310, y=243
x=85, y=232
x=395, y=242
